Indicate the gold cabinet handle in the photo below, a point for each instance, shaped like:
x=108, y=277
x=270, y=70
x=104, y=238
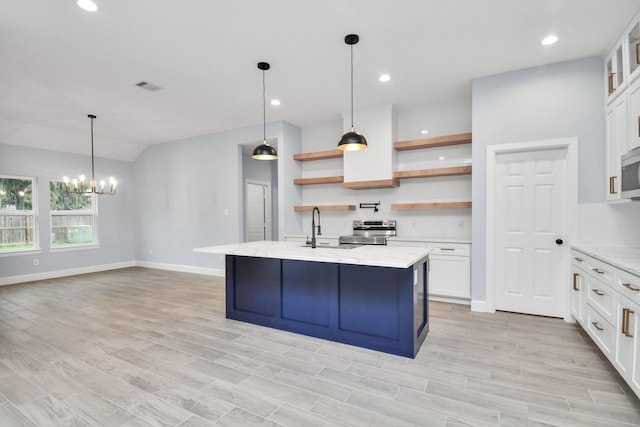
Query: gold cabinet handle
x=631, y=288
x=611, y=87
x=575, y=278
x=598, y=271
x=597, y=292
x=638, y=126
x=578, y=259
x=638, y=53
x=626, y=319
x=447, y=249
x=595, y=325
x=612, y=186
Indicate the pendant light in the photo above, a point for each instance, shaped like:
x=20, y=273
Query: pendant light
x=264, y=151
x=352, y=140
x=78, y=185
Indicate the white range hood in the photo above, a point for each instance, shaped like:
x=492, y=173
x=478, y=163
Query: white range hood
x=374, y=166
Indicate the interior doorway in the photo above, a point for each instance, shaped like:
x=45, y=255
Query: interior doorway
x=258, y=225
x=531, y=195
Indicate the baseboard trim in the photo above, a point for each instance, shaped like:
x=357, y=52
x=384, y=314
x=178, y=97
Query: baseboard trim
x=450, y=300
x=181, y=268
x=64, y=273
x=480, y=306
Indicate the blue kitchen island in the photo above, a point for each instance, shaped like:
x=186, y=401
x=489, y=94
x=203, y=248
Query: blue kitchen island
x=369, y=296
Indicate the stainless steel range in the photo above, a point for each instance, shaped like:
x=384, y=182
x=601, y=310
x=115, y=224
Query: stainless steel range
x=367, y=232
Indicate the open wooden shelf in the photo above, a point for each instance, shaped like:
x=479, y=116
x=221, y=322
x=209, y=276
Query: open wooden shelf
x=325, y=208
x=438, y=141
x=428, y=173
x=379, y=183
x=318, y=155
x=321, y=180
x=432, y=205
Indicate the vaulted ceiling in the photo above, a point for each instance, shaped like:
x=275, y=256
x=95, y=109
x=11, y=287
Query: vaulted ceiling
x=59, y=63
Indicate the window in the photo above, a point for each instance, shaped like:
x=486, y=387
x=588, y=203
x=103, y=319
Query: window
x=73, y=217
x=18, y=225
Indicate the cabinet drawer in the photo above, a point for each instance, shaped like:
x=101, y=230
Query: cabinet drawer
x=601, y=298
x=601, y=271
x=600, y=331
x=578, y=259
x=629, y=286
x=457, y=249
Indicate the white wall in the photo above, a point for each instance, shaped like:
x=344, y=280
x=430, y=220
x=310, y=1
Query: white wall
x=553, y=101
x=455, y=117
x=116, y=214
x=198, y=192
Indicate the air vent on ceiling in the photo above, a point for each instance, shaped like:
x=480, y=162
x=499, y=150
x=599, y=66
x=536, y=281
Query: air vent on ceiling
x=148, y=86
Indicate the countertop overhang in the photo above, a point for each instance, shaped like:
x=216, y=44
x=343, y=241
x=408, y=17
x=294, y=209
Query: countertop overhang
x=373, y=255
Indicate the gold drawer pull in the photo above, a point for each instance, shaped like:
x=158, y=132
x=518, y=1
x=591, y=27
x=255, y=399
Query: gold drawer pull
x=575, y=277
x=578, y=259
x=598, y=271
x=631, y=288
x=638, y=53
x=447, y=249
x=597, y=292
x=626, y=314
x=595, y=325
x=612, y=186
x=639, y=125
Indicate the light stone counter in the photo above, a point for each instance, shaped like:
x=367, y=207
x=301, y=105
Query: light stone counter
x=374, y=255
x=625, y=258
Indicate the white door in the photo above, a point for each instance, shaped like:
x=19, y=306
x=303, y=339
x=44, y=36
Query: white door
x=258, y=211
x=530, y=214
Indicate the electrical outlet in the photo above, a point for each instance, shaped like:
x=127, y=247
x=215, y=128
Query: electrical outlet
x=36, y=261
x=150, y=252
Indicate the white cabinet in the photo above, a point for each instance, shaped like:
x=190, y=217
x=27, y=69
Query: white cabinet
x=633, y=122
x=616, y=144
x=615, y=73
x=607, y=299
x=632, y=40
x=449, y=269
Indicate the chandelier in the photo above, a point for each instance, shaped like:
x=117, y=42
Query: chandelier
x=78, y=185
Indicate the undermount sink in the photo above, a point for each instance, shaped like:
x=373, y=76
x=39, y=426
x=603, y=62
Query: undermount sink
x=332, y=246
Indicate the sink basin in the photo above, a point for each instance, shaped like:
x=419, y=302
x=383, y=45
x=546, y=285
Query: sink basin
x=330, y=246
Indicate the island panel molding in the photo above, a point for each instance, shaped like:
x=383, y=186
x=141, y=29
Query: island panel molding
x=325, y=208
x=430, y=173
x=438, y=141
x=318, y=155
x=319, y=180
x=431, y=205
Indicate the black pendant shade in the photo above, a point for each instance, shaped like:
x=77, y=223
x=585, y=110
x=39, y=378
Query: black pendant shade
x=264, y=151
x=352, y=140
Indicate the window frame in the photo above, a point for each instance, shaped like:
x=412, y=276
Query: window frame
x=95, y=243
x=36, y=249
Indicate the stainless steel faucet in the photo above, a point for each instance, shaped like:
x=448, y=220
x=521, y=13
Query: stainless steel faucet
x=313, y=226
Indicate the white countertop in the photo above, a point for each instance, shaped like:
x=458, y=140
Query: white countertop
x=374, y=255
x=625, y=258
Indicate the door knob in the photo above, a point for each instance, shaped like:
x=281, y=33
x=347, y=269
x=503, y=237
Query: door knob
x=559, y=241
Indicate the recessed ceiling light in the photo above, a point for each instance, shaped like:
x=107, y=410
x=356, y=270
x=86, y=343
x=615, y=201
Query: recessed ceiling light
x=87, y=5
x=384, y=77
x=425, y=132
x=549, y=40
x=275, y=102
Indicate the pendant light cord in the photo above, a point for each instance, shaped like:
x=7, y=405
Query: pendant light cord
x=351, y=87
x=264, y=110
x=92, y=166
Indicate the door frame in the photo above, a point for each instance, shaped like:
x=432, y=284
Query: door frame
x=570, y=145
x=267, y=207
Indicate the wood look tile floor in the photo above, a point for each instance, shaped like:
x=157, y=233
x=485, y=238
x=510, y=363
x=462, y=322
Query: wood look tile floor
x=141, y=347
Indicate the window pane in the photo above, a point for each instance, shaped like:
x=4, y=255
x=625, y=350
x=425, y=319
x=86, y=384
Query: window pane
x=72, y=216
x=17, y=228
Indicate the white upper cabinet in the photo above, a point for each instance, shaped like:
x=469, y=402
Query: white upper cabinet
x=616, y=144
x=632, y=39
x=633, y=137
x=615, y=73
